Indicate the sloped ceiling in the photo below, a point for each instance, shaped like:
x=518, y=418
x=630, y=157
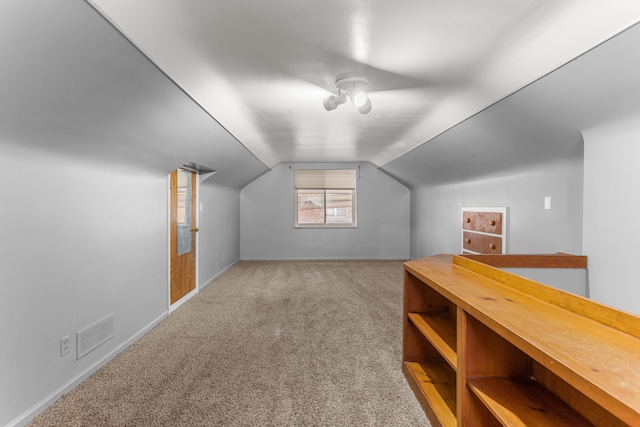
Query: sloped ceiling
x=237, y=86
x=72, y=85
x=262, y=68
x=540, y=123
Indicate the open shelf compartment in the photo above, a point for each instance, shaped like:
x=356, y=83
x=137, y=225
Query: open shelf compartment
x=524, y=402
x=501, y=380
x=440, y=329
x=436, y=388
x=429, y=350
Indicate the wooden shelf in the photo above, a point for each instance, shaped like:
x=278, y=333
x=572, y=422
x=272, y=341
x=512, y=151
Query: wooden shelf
x=482, y=346
x=524, y=402
x=437, y=383
x=440, y=329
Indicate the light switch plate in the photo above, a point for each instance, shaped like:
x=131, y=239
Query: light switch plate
x=547, y=202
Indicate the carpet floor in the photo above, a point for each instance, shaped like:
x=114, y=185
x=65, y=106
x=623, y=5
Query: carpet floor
x=270, y=343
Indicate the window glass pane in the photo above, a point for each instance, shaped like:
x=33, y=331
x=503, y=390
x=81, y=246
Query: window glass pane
x=339, y=206
x=310, y=206
x=325, y=197
x=184, y=211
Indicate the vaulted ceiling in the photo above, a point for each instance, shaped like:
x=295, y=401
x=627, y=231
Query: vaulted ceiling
x=262, y=68
x=459, y=89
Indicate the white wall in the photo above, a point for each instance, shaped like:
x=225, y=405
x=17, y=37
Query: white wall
x=219, y=224
x=436, y=216
x=267, y=219
x=611, y=208
x=89, y=131
x=82, y=240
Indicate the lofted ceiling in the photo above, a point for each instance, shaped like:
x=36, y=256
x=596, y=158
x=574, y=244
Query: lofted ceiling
x=461, y=89
x=261, y=69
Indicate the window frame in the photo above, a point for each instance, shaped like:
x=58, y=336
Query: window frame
x=324, y=224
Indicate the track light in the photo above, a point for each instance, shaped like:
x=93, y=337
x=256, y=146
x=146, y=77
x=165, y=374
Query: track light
x=355, y=88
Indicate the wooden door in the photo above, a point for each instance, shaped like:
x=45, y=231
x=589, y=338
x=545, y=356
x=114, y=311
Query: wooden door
x=183, y=230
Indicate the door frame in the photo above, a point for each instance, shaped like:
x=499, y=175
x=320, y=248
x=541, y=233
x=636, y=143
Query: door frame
x=196, y=194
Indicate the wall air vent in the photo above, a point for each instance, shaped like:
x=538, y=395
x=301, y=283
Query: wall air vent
x=93, y=336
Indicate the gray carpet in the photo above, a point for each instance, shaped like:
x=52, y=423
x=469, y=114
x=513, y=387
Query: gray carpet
x=300, y=343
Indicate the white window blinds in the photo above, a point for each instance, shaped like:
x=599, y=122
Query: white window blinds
x=333, y=179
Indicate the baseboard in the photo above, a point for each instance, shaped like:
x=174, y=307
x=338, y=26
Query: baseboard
x=183, y=300
x=39, y=407
x=214, y=278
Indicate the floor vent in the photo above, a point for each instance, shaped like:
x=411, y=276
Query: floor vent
x=94, y=336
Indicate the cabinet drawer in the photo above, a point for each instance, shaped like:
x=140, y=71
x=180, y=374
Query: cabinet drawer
x=482, y=243
x=486, y=222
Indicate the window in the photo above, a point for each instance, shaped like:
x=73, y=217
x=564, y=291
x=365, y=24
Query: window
x=325, y=198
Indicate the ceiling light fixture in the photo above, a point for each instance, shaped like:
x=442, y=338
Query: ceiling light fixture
x=354, y=87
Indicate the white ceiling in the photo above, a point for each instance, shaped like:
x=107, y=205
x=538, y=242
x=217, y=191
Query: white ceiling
x=262, y=68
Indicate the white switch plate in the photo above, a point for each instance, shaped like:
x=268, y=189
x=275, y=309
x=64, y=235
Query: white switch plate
x=547, y=202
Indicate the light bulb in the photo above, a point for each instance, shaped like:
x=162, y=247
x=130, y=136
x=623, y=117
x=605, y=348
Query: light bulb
x=359, y=98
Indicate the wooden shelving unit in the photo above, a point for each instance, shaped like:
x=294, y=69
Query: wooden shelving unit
x=484, y=347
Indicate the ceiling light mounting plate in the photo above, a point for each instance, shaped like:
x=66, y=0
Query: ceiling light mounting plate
x=352, y=82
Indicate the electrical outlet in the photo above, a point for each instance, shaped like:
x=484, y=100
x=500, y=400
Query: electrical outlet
x=65, y=345
x=547, y=202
